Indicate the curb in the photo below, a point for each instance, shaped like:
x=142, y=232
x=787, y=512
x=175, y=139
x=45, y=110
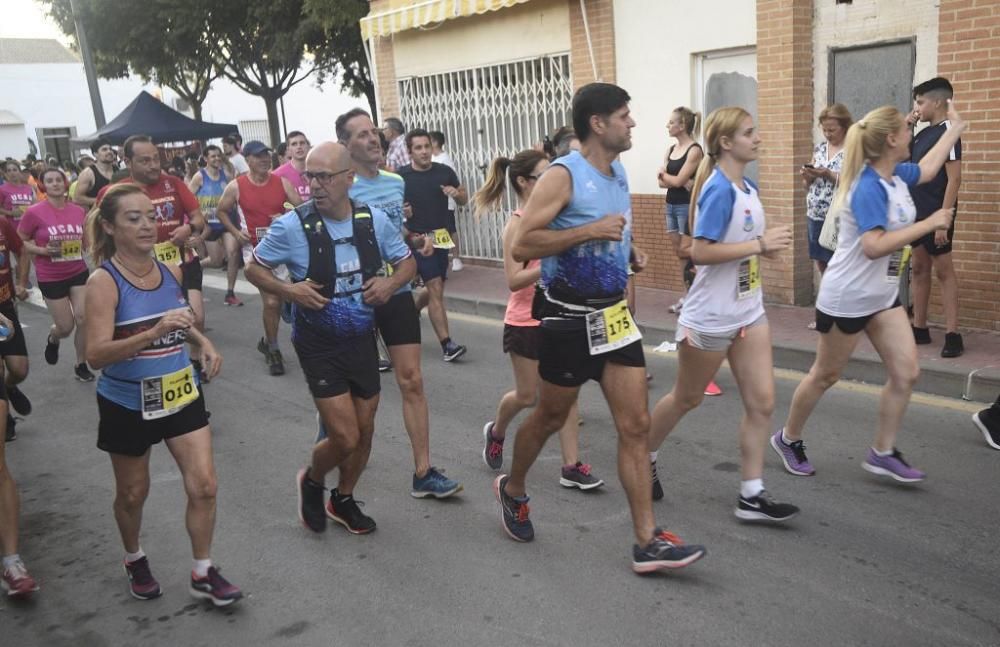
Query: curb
x=981, y=385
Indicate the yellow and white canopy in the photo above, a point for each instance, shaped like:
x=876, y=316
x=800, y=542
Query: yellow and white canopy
x=413, y=15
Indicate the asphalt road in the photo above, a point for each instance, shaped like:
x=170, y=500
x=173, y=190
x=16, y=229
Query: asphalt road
x=867, y=563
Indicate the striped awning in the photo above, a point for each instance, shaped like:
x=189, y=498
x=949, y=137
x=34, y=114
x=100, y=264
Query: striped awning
x=419, y=14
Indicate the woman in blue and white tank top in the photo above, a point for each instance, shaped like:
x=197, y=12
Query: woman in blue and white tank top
x=138, y=324
x=860, y=288
x=723, y=315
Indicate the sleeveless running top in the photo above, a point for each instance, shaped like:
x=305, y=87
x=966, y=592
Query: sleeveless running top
x=210, y=193
x=99, y=183
x=674, y=166
x=257, y=204
x=519, y=304
x=139, y=310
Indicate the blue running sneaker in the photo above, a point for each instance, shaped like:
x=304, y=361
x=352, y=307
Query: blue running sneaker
x=513, y=512
x=664, y=551
x=434, y=484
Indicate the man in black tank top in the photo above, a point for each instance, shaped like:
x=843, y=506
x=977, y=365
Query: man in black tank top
x=97, y=176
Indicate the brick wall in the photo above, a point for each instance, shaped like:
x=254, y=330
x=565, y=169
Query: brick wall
x=385, y=65
x=650, y=232
x=785, y=108
x=601, y=18
x=969, y=55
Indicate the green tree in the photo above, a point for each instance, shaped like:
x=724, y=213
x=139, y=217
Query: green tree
x=340, y=20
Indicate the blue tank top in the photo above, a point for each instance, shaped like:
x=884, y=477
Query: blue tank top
x=139, y=310
x=210, y=193
x=596, y=269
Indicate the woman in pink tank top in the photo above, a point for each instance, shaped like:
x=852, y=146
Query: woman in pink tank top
x=521, y=335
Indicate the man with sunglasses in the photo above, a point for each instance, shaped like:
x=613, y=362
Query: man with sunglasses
x=260, y=196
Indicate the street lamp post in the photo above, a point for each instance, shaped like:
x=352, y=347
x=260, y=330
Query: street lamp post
x=88, y=68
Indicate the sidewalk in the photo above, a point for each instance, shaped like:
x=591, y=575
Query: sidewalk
x=975, y=375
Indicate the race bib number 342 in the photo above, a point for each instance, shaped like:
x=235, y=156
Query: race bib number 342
x=611, y=328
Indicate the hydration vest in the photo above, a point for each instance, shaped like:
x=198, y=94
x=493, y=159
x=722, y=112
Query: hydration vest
x=322, y=255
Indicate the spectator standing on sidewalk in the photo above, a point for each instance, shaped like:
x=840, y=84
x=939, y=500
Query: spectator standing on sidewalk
x=398, y=154
x=441, y=156
x=820, y=177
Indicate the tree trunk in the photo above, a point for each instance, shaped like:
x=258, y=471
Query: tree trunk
x=370, y=94
x=196, y=109
x=273, y=126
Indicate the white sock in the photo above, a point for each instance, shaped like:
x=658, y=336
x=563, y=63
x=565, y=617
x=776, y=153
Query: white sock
x=201, y=567
x=10, y=560
x=652, y=456
x=751, y=488
x=784, y=438
x=883, y=454
x=134, y=557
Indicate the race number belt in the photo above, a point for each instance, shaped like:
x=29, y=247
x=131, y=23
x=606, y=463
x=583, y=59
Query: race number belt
x=748, y=278
x=611, y=328
x=442, y=239
x=260, y=232
x=167, y=253
x=168, y=394
x=897, y=264
x=213, y=216
x=69, y=250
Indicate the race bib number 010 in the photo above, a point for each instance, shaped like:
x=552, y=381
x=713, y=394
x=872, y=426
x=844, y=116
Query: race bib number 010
x=748, y=279
x=897, y=264
x=442, y=239
x=168, y=394
x=69, y=250
x=611, y=328
x=167, y=253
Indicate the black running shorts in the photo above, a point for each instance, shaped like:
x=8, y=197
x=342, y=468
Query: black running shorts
x=350, y=366
x=123, y=431
x=398, y=321
x=564, y=357
x=191, y=275
x=847, y=325
x=15, y=346
x=60, y=289
x=522, y=340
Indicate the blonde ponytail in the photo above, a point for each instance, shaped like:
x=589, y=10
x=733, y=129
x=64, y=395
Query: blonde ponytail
x=865, y=142
x=521, y=165
x=722, y=122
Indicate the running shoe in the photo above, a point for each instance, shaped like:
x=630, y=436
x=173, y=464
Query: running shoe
x=346, y=511
x=142, y=585
x=988, y=421
x=764, y=508
x=232, y=300
x=51, y=351
x=216, y=588
x=17, y=581
x=457, y=265
x=892, y=466
x=434, y=484
x=793, y=455
x=286, y=312
x=921, y=335
x=453, y=351
x=579, y=476
x=677, y=306
x=513, y=512
x=18, y=401
x=310, y=502
x=275, y=363
x=657, y=488
x=262, y=347
x=713, y=389
x=664, y=551
x=11, y=433
x=83, y=373
x=384, y=365
x=953, y=346
x=492, y=449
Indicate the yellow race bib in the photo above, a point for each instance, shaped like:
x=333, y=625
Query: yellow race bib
x=167, y=253
x=748, y=278
x=168, y=394
x=611, y=328
x=898, y=261
x=69, y=250
x=442, y=239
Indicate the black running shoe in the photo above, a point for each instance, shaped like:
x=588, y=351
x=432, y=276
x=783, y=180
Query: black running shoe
x=51, y=351
x=18, y=400
x=664, y=551
x=11, y=433
x=921, y=335
x=311, y=502
x=513, y=512
x=657, y=488
x=215, y=588
x=988, y=421
x=763, y=508
x=83, y=373
x=275, y=363
x=953, y=346
x=453, y=351
x=347, y=512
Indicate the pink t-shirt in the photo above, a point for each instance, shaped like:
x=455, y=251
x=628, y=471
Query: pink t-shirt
x=291, y=174
x=16, y=195
x=43, y=223
x=519, y=304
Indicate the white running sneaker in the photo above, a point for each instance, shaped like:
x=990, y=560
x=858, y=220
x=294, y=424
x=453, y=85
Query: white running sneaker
x=457, y=265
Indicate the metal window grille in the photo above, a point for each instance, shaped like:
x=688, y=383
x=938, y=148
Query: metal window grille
x=485, y=112
x=251, y=129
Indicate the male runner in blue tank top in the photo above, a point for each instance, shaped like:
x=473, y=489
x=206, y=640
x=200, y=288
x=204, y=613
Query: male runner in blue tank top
x=579, y=222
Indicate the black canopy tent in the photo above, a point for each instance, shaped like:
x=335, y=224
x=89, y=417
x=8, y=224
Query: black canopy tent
x=147, y=115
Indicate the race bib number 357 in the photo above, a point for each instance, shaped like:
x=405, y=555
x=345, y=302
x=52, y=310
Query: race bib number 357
x=611, y=328
x=167, y=253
